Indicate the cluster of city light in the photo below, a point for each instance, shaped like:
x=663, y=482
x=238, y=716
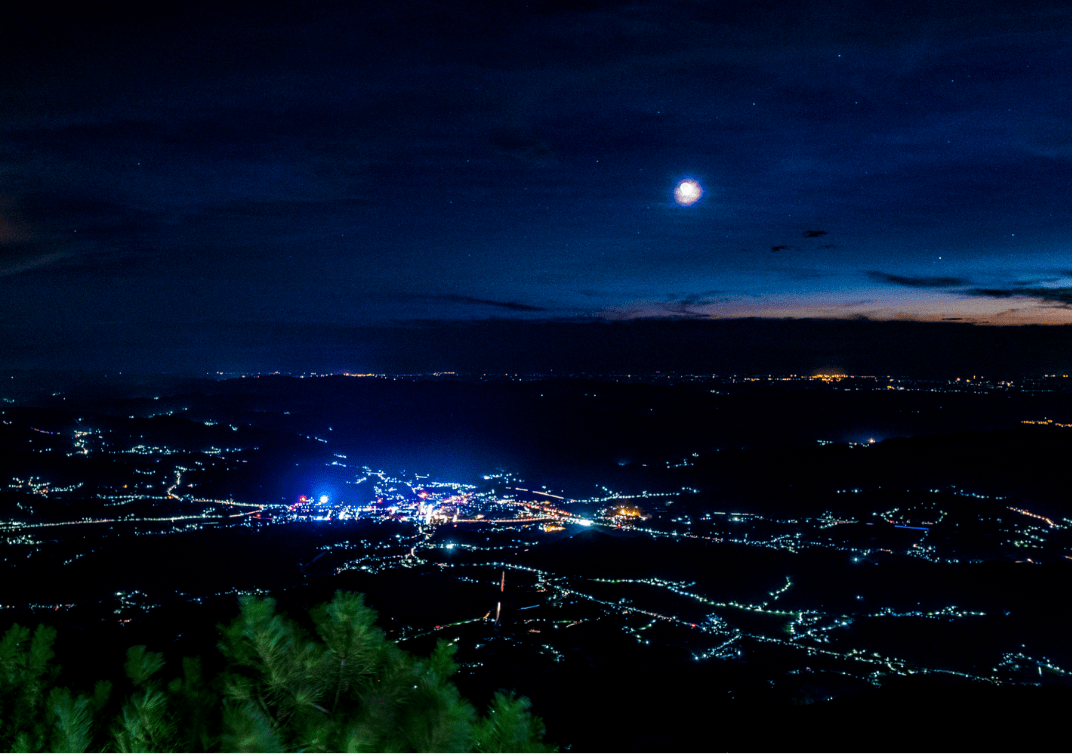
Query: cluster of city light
x=781, y=590
x=426, y=503
x=36, y=486
x=815, y=627
x=723, y=651
x=1047, y=423
x=151, y=450
x=1035, y=515
x=1015, y=661
x=53, y=607
x=973, y=384
x=805, y=625
x=954, y=490
x=950, y=612
x=684, y=462
x=81, y=444
x=614, y=497
x=373, y=563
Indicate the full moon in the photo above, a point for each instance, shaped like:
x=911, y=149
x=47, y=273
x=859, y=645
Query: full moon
x=688, y=192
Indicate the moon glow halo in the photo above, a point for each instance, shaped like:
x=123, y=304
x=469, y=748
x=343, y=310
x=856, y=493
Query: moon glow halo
x=688, y=192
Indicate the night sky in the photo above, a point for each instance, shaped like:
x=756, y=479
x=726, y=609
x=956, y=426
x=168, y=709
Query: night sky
x=377, y=187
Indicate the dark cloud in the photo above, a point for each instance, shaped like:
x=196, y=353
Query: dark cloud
x=912, y=281
x=521, y=145
x=13, y=227
x=1059, y=296
x=22, y=247
x=682, y=305
x=16, y=258
x=803, y=273
x=1051, y=139
x=511, y=305
x=814, y=233
x=778, y=248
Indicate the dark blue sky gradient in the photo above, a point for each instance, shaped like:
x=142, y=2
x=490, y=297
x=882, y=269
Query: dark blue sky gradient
x=180, y=185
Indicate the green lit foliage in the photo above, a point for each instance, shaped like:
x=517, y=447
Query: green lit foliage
x=145, y=723
x=25, y=673
x=350, y=691
x=345, y=689
x=73, y=721
x=509, y=726
x=195, y=706
x=35, y=714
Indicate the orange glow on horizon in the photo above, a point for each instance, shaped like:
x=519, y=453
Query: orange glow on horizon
x=917, y=307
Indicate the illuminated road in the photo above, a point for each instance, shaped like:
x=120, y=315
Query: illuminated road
x=12, y=526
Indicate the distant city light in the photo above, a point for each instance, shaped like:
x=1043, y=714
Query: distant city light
x=417, y=511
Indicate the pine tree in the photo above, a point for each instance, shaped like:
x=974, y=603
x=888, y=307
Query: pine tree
x=353, y=691
x=26, y=671
x=347, y=689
